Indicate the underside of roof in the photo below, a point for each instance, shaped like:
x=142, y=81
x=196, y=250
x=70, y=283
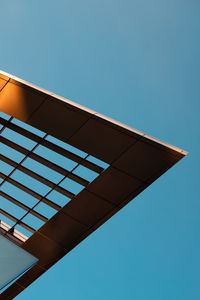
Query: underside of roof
x=73, y=167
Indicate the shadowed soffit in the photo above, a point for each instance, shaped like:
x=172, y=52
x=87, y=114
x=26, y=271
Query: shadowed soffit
x=64, y=171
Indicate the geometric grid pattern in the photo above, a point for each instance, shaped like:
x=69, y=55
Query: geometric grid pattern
x=38, y=174
x=67, y=141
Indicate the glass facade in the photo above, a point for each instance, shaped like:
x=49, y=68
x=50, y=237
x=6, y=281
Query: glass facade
x=13, y=261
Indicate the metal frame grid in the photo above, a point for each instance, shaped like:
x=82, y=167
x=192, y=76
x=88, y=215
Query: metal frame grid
x=125, y=161
x=10, y=123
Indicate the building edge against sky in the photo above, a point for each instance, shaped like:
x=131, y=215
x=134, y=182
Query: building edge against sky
x=8, y=77
x=135, y=161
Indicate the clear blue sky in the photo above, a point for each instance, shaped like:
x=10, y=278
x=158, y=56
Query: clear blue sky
x=136, y=61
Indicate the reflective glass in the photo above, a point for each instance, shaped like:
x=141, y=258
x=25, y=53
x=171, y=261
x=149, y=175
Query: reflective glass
x=13, y=261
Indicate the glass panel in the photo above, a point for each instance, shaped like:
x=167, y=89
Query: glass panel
x=13, y=261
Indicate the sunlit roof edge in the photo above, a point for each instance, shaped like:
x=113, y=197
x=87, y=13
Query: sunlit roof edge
x=126, y=127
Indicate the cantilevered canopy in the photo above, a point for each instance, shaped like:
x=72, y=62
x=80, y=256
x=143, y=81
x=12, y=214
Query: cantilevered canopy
x=48, y=145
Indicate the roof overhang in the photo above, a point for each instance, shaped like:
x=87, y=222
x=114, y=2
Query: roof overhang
x=135, y=161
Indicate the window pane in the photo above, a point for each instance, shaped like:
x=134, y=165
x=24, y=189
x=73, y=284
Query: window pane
x=13, y=261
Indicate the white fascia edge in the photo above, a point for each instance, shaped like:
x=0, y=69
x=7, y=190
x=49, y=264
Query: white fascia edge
x=183, y=152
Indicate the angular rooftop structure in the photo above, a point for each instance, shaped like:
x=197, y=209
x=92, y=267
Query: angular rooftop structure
x=64, y=171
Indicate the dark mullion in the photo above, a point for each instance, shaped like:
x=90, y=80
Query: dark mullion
x=30, y=192
x=52, y=146
x=5, y=123
x=36, y=176
x=14, y=219
x=23, y=206
x=73, y=157
x=44, y=161
x=51, y=190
